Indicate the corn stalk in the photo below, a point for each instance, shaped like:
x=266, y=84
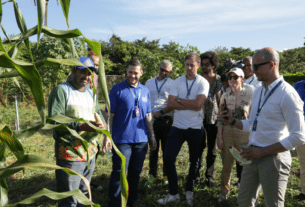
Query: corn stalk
x=29, y=74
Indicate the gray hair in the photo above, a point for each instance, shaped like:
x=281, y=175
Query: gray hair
x=166, y=63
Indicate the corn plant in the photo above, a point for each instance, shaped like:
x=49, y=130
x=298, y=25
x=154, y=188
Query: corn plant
x=29, y=74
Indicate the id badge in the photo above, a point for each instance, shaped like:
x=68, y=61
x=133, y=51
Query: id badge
x=254, y=125
x=137, y=112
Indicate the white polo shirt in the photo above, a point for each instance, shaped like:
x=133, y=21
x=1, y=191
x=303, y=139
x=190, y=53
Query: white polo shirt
x=184, y=119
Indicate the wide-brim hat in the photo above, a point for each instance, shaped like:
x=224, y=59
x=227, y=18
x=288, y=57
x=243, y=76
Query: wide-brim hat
x=239, y=72
x=87, y=62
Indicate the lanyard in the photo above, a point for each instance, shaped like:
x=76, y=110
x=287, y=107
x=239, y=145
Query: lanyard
x=187, y=86
x=134, y=96
x=251, y=80
x=259, y=108
x=159, y=89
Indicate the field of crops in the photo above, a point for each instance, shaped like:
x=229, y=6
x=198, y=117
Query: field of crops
x=22, y=186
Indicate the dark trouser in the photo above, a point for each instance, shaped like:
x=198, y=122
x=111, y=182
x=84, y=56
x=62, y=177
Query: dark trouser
x=209, y=139
x=175, y=140
x=66, y=182
x=135, y=156
x=162, y=126
x=239, y=169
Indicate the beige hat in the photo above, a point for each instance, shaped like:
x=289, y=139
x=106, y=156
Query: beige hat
x=239, y=72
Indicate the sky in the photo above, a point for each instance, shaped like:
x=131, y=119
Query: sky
x=205, y=24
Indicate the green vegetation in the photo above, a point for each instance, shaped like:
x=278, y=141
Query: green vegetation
x=42, y=143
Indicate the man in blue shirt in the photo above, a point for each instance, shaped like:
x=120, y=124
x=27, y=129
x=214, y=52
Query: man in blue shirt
x=300, y=88
x=131, y=124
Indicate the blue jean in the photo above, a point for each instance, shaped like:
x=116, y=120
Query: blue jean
x=175, y=140
x=66, y=182
x=135, y=156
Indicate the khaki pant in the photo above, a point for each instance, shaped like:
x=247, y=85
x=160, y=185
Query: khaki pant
x=231, y=137
x=271, y=173
x=301, y=154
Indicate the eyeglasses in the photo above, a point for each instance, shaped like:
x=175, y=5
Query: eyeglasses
x=235, y=77
x=206, y=64
x=255, y=66
x=165, y=71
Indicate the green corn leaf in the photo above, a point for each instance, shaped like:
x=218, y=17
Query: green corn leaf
x=72, y=46
x=37, y=162
x=8, y=138
x=65, y=5
x=94, y=45
x=4, y=32
x=1, y=11
x=28, y=132
x=3, y=192
x=59, y=118
x=12, y=73
x=41, y=8
x=103, y=83
x=1, y=45
x=22, y=26
x=55, y=196
x=30, y=76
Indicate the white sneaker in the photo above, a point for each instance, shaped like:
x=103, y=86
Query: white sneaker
x=189, y=198
x=222, y=197
x=169, y=198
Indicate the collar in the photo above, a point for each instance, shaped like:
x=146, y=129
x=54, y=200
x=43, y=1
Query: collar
x=273, y=83
x=139, y=84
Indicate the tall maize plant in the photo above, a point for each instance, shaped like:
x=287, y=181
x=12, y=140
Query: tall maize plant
x=9, y=139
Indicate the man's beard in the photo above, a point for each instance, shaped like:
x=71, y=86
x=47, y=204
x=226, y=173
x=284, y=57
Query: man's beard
x=207, y=71
x=78, y=82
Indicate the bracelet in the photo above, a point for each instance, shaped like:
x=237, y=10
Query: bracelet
x=161, y=111
x=233, y=122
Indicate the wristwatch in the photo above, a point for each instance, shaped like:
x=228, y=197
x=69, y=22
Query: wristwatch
x=179, y=99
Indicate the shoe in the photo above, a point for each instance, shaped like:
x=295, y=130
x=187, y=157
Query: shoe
x=222, y=197
x=165, y=180
x=95, y=187
x=300, y=197
x=150, y=181
x=189, y=198
x=210, y=182
x=169, y=198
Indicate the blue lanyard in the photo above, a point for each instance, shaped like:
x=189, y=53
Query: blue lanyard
x=187, y=87
x=259, y=108
x=251, y=80
x=159, y=89
x=134, y=96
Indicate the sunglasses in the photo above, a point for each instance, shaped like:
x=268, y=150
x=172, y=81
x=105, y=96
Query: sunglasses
x=206, y=65
x=235, y=77
x=255, y=66
x=165, y=71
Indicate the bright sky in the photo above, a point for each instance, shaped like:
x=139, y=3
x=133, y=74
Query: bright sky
x=206, y=24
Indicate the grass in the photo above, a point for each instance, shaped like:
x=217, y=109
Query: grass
x=22, y=186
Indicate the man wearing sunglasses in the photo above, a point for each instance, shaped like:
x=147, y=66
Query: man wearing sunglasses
x=159, y=89
x=250, y=77
x=209, y=63
x=276, y=125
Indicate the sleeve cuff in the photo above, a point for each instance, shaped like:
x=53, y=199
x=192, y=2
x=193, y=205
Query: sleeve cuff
x=246, y=125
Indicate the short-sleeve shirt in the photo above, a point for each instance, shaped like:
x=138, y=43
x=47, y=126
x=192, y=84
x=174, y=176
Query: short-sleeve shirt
x=211, y=105
x=253, y=81
x=184, y=119
x=159, y=99
x=239, y=104
x=126, y=126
